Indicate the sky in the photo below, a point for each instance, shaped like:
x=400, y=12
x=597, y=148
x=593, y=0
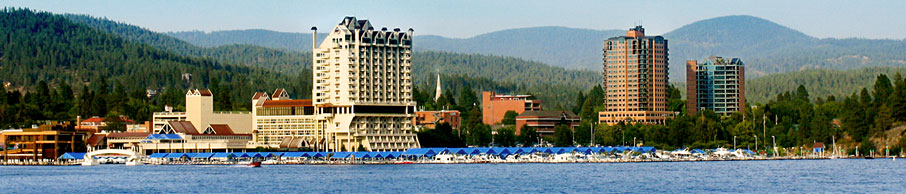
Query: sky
x=877, y=19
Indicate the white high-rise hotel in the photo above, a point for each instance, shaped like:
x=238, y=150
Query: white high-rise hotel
x=362, y=90
x=361, y=98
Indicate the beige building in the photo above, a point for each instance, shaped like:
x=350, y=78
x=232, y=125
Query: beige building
x=635, y=79
x=200, y=111
x=281, y=122
x=362, y=94
x=182, y=136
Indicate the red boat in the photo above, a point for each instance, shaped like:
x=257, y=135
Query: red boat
x=255, y=164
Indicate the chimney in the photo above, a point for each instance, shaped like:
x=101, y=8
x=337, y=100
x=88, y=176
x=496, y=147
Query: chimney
x=314, y=38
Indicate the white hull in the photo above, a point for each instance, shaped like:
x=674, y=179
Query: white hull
x=134, y=163
x=90, y=163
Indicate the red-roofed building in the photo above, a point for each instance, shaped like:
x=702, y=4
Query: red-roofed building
x=280, y=94
x=96, y=124
x=430, y=119
x=544, y=122
x=218, y=129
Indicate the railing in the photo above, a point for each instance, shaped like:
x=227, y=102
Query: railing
x=170, y=113
x=233, y=112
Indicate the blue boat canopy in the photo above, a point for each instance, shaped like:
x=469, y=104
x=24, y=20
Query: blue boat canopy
x=340, y=155
x=419, y=152
x=318, y=154
x=566, y=150
x=361, y=155
x=176, y=155
x=471, y=151
x=293, y=154
x=203, y=155
x=72, y=156
x=457, y=151
x=158, y=155
x=393, y=154
x=439, y=150
x=223, y=155
x=163, y=136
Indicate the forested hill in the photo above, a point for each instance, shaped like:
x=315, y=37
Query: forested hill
x=503, y=74
x=275, y=59
x=42, y=47
x=267, y=38
x=820, y=82
x=481, y=72
x=571, y=48
x=766, y=47
x=559, y=46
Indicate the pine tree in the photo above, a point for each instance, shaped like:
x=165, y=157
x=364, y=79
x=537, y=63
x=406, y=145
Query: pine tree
x=898, y=98
x=882, y=90
x=563, y=136
x=467, y=97
x=802, y=93
x=580, y=100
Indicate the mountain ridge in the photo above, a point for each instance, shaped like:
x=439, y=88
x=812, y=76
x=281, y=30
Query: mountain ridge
x=765, y=46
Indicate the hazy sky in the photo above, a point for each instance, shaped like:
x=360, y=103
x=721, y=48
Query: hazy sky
x=466, y=18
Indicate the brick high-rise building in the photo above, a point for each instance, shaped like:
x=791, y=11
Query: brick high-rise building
x=717, y=84
x=635, y=79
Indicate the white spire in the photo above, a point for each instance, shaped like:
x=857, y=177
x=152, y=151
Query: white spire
x=437, y=92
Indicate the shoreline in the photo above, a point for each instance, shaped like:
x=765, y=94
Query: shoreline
x=403, y=162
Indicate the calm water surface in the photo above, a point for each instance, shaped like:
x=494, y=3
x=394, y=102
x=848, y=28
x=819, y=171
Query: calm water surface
x=804, y=176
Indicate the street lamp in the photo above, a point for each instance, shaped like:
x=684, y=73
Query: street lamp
x=775, y=145
x=764, y=125
x=734, y=142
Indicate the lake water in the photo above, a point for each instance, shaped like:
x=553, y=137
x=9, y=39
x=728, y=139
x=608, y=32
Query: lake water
x=802, y=176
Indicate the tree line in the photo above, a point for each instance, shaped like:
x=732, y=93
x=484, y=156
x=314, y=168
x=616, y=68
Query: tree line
x=791, y=119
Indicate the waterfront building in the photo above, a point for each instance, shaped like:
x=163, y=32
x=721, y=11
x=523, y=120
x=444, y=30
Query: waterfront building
x=635, y=79
x=47, y=141
x=281, y=122
x=182, y=136
x=159, y=119
x=200, y=111
x=717, y=84
x=544, y=122
x=145, y=127
x=97, y=124
x=362, y=94
x=430, y=119
x=125, y=140
x=495, y=106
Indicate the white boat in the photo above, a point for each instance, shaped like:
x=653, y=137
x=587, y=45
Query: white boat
x=721, y=152
x=443, y=158
x=133, y=161
x=565, y=157
x=90, y=162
